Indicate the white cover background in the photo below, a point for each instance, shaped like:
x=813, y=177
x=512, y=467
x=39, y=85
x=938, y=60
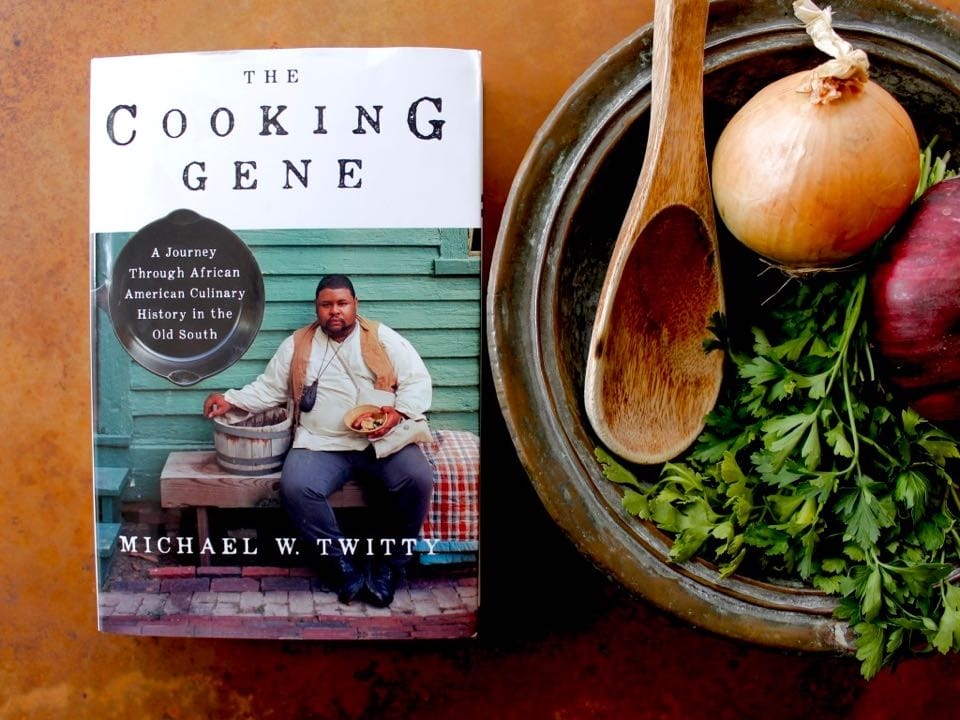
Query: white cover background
x=406, y=181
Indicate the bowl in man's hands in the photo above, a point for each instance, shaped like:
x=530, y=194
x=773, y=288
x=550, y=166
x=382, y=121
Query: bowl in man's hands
x=364, y=419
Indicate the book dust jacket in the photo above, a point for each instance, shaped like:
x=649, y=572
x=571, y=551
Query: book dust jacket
x=285, y=329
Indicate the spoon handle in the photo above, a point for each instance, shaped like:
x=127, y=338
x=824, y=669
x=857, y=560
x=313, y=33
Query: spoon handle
x=675, y=167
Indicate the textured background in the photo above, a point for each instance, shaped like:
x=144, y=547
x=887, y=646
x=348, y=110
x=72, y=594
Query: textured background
x=558, y=638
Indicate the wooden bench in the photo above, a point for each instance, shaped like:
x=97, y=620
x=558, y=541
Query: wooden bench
x=193, y=479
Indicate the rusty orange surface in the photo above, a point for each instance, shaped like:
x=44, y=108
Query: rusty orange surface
x=558, y=639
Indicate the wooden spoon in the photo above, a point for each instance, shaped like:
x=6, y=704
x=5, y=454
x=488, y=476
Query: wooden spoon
x=649, y=380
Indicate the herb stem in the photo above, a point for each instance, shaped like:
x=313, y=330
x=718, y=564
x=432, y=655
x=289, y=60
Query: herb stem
x=956, y=537
x=953, y=494
x=848, y=401
x=876, y=446
x=850, y=323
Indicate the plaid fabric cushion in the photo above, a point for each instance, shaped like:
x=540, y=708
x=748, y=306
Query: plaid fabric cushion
x=454, y=511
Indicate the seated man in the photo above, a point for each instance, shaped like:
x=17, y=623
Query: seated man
x=352, y=361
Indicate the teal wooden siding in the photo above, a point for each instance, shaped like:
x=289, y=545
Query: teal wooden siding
x=424, y=283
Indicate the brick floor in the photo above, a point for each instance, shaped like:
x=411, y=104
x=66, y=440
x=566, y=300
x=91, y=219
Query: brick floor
x=283, y=603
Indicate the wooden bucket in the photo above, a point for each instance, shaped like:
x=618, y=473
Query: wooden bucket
x=255, y=445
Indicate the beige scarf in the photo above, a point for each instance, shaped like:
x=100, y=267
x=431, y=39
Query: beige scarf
x=372, y=350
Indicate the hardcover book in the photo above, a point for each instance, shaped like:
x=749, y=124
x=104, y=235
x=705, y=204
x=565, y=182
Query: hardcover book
x=286, y=344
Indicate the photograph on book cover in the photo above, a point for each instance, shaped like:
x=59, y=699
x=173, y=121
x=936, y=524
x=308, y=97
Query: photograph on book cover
x=285, y=329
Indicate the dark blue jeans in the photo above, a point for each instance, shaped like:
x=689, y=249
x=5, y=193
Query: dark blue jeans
x=399, y=488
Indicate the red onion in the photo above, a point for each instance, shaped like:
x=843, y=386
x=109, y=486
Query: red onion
x=916, y=304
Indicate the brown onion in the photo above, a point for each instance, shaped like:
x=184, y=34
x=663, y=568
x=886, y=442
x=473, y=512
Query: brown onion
x=915, y=291
x=818, y=165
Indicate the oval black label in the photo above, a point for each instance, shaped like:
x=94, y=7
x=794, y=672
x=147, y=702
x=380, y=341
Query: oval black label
x=186, y=297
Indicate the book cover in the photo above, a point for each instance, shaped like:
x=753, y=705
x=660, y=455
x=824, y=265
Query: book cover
x=285, y=329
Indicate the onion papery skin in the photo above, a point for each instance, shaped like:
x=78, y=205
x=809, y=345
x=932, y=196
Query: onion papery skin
x=915, y=294
x=810, y=185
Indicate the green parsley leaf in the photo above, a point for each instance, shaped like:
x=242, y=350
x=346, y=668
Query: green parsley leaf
x=870, y=645
x=636, y=503
x=614, y=471
x=837, y=440
x=911, y=491
x=687, y=543
x=919, y=579
x=940, y=447
x=948, y=630
x=871, y=595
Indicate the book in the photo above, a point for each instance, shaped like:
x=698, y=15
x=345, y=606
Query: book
x=223, y=187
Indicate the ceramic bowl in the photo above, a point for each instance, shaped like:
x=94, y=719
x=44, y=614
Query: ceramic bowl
x=559, y=225
x=351, y=416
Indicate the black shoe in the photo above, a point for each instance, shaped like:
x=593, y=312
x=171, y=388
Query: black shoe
x=350, y=580
x=382, y=582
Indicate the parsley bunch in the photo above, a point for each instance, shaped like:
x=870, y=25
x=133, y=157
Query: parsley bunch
x=808, y=469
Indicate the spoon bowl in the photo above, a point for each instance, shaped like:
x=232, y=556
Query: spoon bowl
x=650, y=382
